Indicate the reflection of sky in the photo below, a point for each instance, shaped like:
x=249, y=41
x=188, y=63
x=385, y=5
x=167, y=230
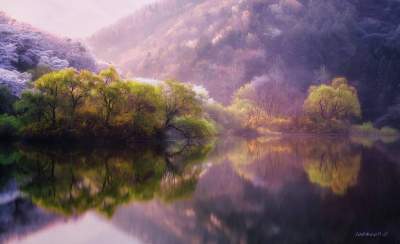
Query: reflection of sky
x=73, y=18
x=86, y=230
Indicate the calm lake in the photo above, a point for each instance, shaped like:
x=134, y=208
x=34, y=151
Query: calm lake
x=265, y=190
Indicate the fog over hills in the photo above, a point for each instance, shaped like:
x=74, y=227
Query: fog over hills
x=225, y=44
x=73, y=18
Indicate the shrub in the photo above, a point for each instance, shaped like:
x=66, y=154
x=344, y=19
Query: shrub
x=194, y=127
x=9, y=126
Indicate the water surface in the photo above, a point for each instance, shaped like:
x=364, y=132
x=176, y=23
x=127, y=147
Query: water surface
x=265, y=190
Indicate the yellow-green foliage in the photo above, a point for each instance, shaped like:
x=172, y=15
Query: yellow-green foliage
x=194, y=127
x=338, y=101
x=88, y=104
x=333, y=164
x=180, y=100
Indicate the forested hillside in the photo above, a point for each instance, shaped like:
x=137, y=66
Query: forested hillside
x=25, y=52
x=292, y=43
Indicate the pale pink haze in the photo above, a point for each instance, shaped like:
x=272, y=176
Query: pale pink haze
x=88, y=229
x=71, y=18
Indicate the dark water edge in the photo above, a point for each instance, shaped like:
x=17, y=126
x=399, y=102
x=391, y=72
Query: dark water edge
x=288, y=189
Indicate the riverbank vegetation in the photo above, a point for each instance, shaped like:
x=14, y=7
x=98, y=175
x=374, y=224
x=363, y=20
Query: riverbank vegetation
x=273, y=107
x=71, y=104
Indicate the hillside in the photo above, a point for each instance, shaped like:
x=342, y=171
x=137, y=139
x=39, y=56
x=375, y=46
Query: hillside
x=24, y=48
x=225, y=44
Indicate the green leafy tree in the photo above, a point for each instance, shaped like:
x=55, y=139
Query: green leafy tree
x=51, y=85
x=145, y=104
x=76, y=104
x=110, y=97
x=32, y=107
x=338, y=101
x=109, y=75
x=9, y=126
x=77, y=88
x=110, y=90
x=193, y=128
x=180, y=100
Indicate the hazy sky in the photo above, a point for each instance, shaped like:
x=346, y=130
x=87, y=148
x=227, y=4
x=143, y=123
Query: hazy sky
x=72, y=18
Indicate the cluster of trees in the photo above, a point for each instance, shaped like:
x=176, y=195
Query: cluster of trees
x=327, y=108
x=82, y=104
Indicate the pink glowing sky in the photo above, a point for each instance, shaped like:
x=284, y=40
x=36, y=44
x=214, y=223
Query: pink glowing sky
x=71, y=18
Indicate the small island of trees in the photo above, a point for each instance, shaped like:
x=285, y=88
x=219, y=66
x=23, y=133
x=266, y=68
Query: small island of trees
x=72, y=104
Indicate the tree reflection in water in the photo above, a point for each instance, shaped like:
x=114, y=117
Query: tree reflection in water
x=71, y=182
x=267, y=190
x=333, y=163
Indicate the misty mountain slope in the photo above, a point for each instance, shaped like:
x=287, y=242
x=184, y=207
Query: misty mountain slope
x=178, y=45
x=23, y=48
x=224, y=44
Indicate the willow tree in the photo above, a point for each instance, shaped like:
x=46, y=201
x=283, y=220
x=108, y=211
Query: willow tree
x=110, y=89
x=51, y=86
x=335, y=102
x=179, y=100
x=77, y=88
x=145, y=107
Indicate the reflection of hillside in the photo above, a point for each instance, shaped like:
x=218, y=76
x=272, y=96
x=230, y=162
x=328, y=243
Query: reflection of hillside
x=19, y=216
x=182, y=222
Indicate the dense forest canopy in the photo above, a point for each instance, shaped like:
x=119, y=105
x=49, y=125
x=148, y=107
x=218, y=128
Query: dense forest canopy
x=226, y=44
